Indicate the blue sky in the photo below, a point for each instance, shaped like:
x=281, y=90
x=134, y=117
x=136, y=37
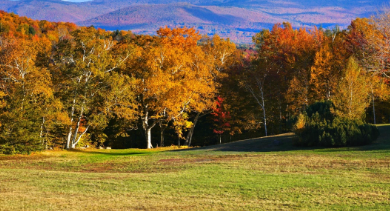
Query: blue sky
x=77, y=0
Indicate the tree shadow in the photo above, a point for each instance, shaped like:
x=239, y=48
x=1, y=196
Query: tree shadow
x=284, y=142
x=281, y=142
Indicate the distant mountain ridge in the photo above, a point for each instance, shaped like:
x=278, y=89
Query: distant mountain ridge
x=237, y=19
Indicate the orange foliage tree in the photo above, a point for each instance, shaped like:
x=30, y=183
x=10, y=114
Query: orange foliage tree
x=172, y=73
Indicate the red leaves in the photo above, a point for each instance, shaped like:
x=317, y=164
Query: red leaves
x=222, y=117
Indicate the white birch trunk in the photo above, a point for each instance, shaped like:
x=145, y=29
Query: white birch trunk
x=69, y=138
x=71, y=122
x=76, y=131
x=79, y=138
x=41, y=133
x=149, y=138
x=148, y=127
x=260, y=99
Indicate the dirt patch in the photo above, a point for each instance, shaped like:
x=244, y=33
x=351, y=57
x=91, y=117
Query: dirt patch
x=131, y=167
x=202, y=160
x=100, y=168
x=22, y=157
x=173, y=160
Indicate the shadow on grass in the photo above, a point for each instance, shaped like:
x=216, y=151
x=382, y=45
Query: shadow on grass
x=284, y=142
x=277, y=143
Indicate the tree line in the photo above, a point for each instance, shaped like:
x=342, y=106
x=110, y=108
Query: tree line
x=65, y=86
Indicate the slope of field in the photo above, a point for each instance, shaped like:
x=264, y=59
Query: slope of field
x=258, y=174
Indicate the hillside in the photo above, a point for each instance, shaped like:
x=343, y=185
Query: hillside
x=235, y=22
x=238, y=19
x=208, y=20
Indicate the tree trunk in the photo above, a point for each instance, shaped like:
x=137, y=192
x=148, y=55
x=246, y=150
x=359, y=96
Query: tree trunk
x=71, y=122
x=351, y=99
x=220, y=138
x=162, y=128
x=265, y=125
x=262, y=103
x=373, y=108
x=69, y=138
x=280, y=119
x=149, y=138
x=79, y=138
x=162, y=137
x=178, y=140
x=264, y=114
x=76, y=131
x=191, y=132
x=148, y=133
x=148, y=127
x=41, y=133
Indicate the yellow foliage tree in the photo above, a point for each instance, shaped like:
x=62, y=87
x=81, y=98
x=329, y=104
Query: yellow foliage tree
x=324, y=77
x=377, y=89
x=351, y=98
x=27, y=94
x=219, y=55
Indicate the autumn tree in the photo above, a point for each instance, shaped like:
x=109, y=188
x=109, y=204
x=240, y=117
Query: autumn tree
x=267, y=67
x=85, y=71
x=358, y=41
x=281, y=70
x=29, y=109
x=254, y=82
x=219, y=56
x=378, y=90
x=324, y=76
x=245, y=115
x=303, y=49
x=351, y=98
x=171, y=73
x=221, y=118
x=366, y=40
x=380, y=41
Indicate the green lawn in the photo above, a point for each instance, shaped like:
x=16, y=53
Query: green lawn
x=259, y=174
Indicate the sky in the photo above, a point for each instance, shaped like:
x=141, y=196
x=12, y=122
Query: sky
x=77, y=0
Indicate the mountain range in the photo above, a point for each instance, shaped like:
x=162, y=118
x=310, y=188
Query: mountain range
x=237, y=19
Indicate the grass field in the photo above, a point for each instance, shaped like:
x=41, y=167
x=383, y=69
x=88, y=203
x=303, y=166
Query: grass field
x=259, y=174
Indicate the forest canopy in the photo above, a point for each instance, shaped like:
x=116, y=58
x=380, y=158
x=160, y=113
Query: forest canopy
x=66, y=86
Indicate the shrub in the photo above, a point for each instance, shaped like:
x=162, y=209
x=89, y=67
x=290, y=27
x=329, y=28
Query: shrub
x=7, y=150
x=322, y=128
x=17, y=149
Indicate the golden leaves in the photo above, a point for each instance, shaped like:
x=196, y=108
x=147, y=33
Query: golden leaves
x=351, y=98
